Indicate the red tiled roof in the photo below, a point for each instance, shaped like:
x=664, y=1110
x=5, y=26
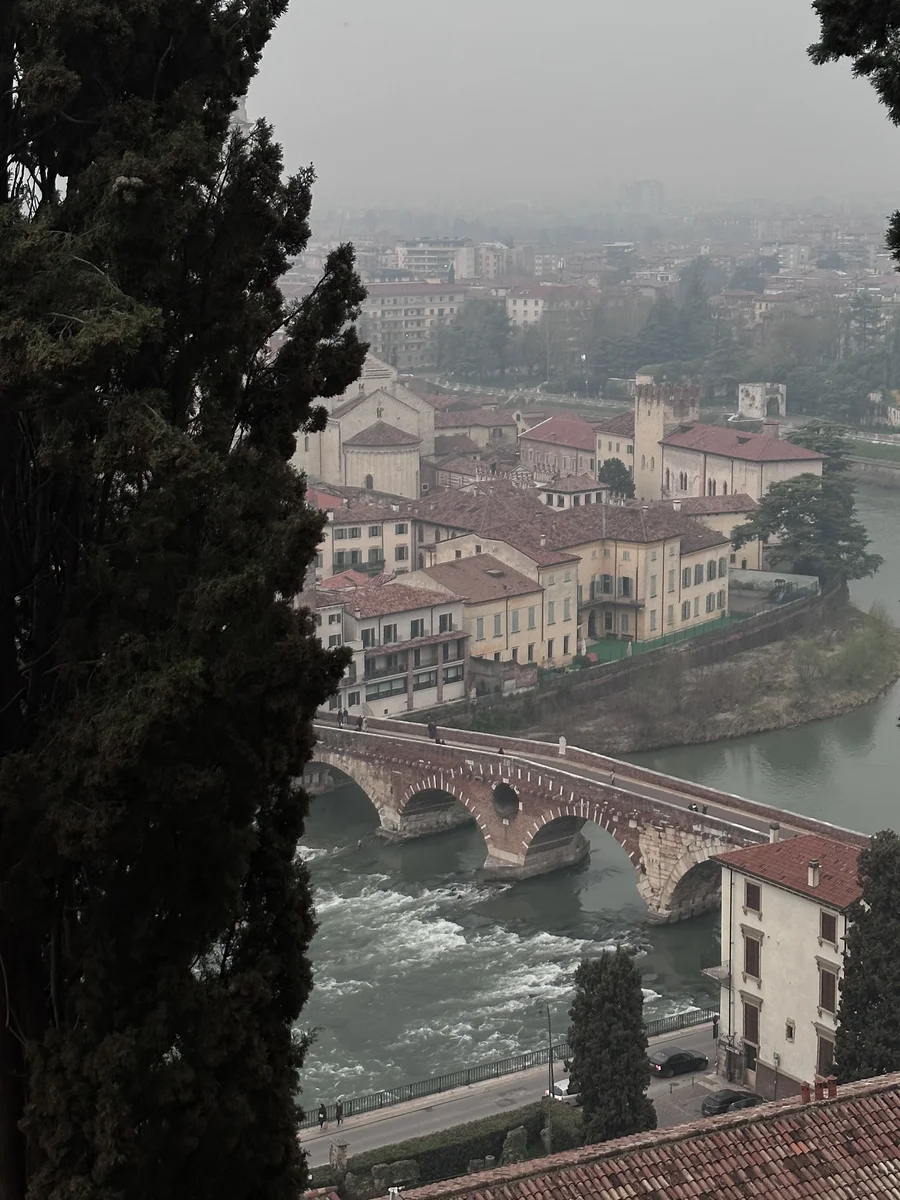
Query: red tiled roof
x=343, y=579
x=710, y=506
x=480, y=578
x=621, y=425
x=787, y=864
x=574, y=483
x=382, y=599
x=734, y=443
x=562, y=431
x=846, y=1148
x=382, y=434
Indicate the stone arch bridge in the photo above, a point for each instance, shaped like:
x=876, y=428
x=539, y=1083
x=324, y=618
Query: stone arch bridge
x=532, y=801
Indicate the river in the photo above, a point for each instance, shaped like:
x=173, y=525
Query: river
x=418, y=970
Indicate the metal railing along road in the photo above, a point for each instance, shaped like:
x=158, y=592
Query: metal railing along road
x=466, y=1076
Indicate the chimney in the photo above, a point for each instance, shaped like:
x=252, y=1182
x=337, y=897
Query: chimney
x=771, y=428
x=774, y=832
x=676, y=506
x=819, y=1090
x=812, y=877
x=543, y=540
x=804, y=1092
x=832, y=1086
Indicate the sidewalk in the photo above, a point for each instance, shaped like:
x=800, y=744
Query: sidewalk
x=535, y=1078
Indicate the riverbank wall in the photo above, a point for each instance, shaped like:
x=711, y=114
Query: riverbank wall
x=879, y=472
x=586, y=686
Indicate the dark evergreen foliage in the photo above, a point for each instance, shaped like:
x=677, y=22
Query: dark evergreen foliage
x=868, y=1035
x=610, y=1068
x=616, y=474
x=156, y=682
x=814, y=518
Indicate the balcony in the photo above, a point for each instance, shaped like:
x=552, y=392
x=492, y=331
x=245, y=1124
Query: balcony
x=386, y=671
x=719, y=972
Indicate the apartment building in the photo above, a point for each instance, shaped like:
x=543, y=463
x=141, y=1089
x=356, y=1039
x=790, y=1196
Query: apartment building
x=399, y=320
x=430, y=257
x=615, y=439
x=639, y=572
x=483, y=426
x=367, y=537
x=724, y=514
x=509, y=616
x=572, y=491
x=408, y=643
x=527, y=305
x=564, y=445
x=784, y=923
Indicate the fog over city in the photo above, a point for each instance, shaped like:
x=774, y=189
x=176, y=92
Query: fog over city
x=518, y=100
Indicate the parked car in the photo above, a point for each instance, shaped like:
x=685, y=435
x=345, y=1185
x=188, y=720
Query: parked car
x=561, y=1092
x=727, y=1100
x=674, y=1061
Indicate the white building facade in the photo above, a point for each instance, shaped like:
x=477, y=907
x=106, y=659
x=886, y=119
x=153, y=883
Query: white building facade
x=784, y=924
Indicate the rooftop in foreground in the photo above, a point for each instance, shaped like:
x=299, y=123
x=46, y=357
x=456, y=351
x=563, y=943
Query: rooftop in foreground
x=841, y=1148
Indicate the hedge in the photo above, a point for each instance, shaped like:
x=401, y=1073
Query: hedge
x=447, y=1152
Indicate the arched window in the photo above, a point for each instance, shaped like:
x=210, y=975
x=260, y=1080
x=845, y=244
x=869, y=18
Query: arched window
x=667, y=479
x=724, y=489
x=652, y=463
x=643, y=462
x=370, y=483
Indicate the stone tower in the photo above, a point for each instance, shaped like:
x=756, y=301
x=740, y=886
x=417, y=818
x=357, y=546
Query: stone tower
x=659, y=409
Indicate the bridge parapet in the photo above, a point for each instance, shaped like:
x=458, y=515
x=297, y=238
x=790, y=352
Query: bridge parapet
x=531, y=810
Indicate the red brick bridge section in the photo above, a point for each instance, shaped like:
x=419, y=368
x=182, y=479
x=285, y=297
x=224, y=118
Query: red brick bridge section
x=532, y=801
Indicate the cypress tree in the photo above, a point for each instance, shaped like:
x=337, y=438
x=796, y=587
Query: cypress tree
x=157, y=683
x=868, y=1035
x=610, y=1068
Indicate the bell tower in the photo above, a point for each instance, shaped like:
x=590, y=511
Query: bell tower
x=659, y=409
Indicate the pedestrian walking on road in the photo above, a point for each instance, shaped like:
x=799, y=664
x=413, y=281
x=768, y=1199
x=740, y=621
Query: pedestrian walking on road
x=365, y=723
x=339, y=1112
x=360, y=723
x=340, y=717
x=346, y=716
x=323, y=1116
x=716, y=1027
x=612, y=779
x=432, y=731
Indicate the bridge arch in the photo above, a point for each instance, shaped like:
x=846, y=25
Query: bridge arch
x=693, y=884
x=436, y=802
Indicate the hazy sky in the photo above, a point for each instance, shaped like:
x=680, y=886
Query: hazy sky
x=468, y=102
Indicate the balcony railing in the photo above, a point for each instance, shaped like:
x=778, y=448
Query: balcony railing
x=385, y=672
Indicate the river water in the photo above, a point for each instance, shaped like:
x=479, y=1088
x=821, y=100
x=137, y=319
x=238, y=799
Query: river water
x=419, y=971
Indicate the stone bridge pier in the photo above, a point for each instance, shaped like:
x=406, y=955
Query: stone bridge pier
x=532, y=817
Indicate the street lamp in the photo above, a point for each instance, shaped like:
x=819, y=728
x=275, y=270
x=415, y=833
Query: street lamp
x=543, y=1006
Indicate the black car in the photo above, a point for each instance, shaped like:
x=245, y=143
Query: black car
x=673, y=1061
x=727, y=1100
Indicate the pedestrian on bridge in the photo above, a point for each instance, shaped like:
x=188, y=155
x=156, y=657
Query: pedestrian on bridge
x=323, y=1116
x=432, y=732
x=339, y=1112
x=360, y=723
x=340, y=717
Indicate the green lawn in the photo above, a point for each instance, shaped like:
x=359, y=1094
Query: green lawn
x=880, y=450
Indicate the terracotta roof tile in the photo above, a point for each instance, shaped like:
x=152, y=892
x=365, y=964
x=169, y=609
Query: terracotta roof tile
x=571, y=432
x=382, y=599
x=574, y=483
x=618, y=426
x=382, y=434
x=710, y=506
x=735, y=443
x=481, y=577
x=846, y=1148
x=786, y=863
